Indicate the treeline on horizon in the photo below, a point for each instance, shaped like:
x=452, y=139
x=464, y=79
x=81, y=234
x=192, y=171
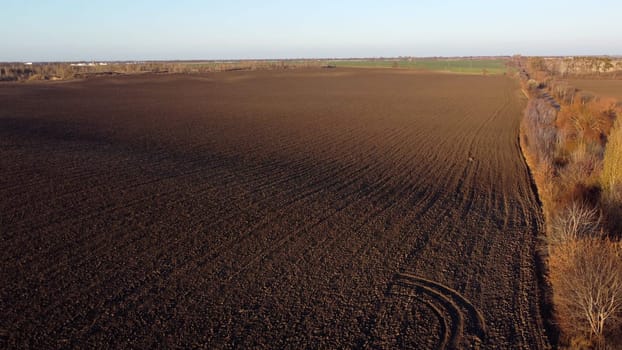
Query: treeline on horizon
x=68, y=71
x=599, y=66
x=17, y=71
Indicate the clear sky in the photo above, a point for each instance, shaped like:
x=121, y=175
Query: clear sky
x=62, y=30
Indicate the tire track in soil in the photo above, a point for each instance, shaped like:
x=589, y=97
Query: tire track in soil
x=457, y=306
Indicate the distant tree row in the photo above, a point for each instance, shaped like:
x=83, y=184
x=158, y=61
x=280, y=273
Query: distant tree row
x=67, y=71
x=579, y=66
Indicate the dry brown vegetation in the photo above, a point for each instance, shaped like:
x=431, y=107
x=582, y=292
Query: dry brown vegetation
x=340, y=208
x=573, y=151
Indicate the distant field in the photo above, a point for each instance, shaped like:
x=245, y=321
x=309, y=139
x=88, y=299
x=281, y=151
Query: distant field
x=467, y=66
x=249, y=63
x=602, y=87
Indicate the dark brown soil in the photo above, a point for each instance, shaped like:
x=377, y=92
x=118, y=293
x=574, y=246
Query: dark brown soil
x=300, y=209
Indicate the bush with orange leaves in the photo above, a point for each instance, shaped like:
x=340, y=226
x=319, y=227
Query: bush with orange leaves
x=582, y=128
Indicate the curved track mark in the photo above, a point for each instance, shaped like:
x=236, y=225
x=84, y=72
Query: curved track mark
x=463, y=315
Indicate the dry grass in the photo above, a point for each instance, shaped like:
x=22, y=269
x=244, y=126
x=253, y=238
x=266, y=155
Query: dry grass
x=587, y=119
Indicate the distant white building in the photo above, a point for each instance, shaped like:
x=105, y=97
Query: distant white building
x=89, y=64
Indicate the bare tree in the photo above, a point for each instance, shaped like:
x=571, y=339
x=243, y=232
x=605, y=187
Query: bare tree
x=575, y=222
x=587, y=281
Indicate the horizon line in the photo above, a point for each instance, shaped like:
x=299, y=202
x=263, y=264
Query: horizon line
x=304, y=58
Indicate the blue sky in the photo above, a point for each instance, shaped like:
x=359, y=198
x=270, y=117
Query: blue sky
x=61, y=30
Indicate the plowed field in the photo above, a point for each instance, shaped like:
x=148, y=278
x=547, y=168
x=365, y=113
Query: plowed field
x=311, y=208
x=602, y=87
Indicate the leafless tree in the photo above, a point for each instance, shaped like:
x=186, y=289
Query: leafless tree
x=587, y=281
x=576, y=222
